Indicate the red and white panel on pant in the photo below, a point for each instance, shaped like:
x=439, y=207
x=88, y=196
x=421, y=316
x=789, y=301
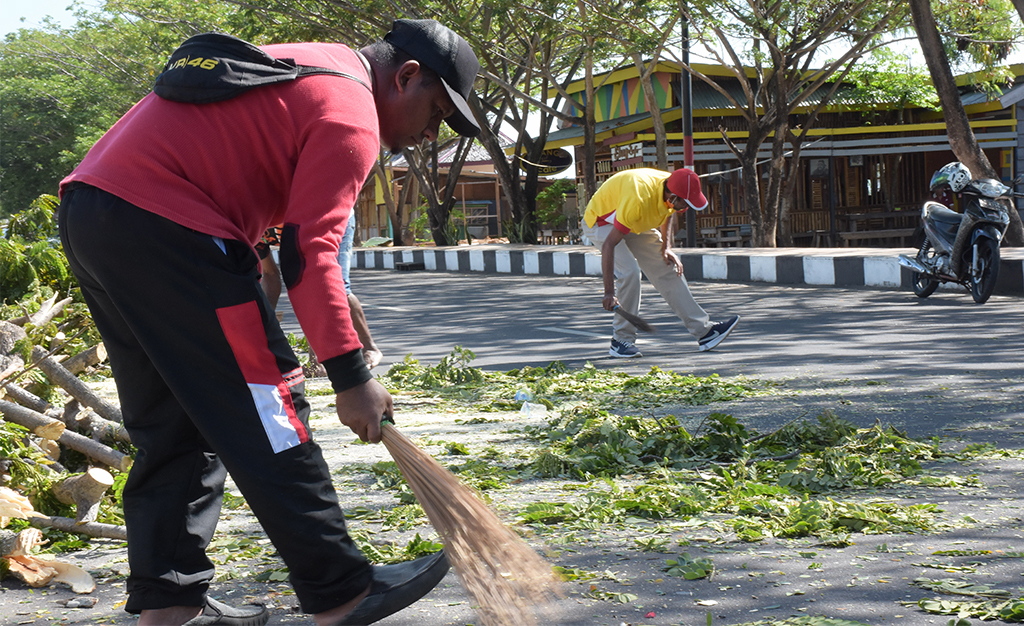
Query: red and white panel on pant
x=243, y=327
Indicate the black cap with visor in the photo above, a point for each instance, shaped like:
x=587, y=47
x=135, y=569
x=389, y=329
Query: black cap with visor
x=440, y=49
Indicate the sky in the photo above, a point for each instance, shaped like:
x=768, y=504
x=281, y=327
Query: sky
x=11, y=12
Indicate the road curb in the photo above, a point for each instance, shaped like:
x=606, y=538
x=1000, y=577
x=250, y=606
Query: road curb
x=874, y=268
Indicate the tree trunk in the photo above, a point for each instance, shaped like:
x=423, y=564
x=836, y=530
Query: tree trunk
x=508, y=180
x=789, y=190
x=410, y=198
x=59, y=375
x=10, y=333
x=9, y=364
x=89, y=529
x=762, y=233
x=30, y=400
x=961, y=138
x=47, y=311
x=589, y=127
x=439, y=206
x=37, y=423
x=86, y=359
x=771, y=207
x=660, y=138
x=762, y=226
x=85, y=491
x=95, y=450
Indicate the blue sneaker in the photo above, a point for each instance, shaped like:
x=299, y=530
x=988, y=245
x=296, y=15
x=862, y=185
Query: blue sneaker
x=623, y=350
x=717, y=333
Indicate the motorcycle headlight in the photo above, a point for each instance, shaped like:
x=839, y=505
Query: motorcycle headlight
x=990, y=188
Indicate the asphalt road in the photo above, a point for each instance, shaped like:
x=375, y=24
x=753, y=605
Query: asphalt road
x=936, y=367
x=932, y=361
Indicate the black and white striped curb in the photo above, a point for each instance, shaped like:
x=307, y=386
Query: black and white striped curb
x=840, y=267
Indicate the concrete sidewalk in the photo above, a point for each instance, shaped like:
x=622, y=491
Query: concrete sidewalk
x=840, y=267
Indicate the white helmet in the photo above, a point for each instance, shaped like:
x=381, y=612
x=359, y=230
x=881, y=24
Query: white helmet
x=954, y=174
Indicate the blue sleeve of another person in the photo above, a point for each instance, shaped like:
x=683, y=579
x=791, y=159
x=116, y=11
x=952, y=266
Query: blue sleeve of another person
x=345, y=251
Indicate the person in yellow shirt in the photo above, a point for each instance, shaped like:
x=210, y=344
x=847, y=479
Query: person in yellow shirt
x=629, y=220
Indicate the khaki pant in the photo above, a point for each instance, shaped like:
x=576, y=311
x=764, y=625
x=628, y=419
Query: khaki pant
x=642, y=252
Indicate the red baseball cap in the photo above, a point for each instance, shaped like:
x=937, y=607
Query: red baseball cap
x=685, y=183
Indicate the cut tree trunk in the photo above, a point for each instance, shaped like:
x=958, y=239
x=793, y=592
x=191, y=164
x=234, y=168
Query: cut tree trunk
x=89, y=529
x=86, y=359
x=59, y=375
x=101, y=429
x=47, y=428
x=85, y=491
x=95, y=450
x=32, y=401
x=47, y=311
x=37, y=423
x=50, y=448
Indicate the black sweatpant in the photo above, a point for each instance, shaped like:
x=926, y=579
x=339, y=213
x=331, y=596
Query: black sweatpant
x=207, y=385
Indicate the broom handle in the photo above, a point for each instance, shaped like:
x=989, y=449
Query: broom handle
x=635, y=320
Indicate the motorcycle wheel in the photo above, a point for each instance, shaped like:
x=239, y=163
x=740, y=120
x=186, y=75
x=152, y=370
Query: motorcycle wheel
x=924, y=285
x=983, y=283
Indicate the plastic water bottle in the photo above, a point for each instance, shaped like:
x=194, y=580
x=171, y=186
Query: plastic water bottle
x=523, y=395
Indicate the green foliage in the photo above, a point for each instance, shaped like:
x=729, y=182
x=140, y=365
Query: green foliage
x=612, y=596
x=403, y=516
x=950, y=586
x=452, y=371
x=225, y=548
x=34, y=272
x=420, y=225
x=805, y=620
x=891, y=78
x=518, y=232
x=594, y=442
x=30, y=475
x=27, y=466
x=685, y=566
x=1005, y=610
x=551, y=200
x=455, y=381
x=979, y=34
x=735, y=474
x=30, y=253
x=387, y=553
x=300, y=346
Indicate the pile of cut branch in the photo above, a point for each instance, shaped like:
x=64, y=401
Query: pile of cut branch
x=85, y=424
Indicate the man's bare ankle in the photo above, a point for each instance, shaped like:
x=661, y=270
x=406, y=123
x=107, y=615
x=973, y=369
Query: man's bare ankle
x=335, y=615
x=169, y=616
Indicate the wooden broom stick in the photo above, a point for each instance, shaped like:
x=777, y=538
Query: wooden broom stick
x=640, y=323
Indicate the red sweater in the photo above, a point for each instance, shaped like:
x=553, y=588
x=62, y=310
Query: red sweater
x=296, y=153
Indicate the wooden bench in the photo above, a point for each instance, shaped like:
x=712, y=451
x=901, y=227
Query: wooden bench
x=708, y=237
x=815, y=238
x=725, y=236
x=553, y=237
x=891, y=233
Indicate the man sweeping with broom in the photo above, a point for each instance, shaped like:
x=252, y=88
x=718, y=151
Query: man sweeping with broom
x=159, y=223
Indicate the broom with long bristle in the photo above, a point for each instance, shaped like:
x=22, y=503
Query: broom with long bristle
x=507, y=579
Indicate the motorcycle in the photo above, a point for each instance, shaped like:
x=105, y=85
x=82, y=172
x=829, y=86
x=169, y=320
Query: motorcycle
x=962, y=248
